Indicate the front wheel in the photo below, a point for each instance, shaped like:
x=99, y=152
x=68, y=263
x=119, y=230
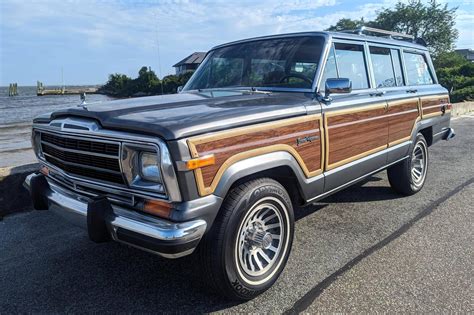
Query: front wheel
x=249, y=243
x=408, y=176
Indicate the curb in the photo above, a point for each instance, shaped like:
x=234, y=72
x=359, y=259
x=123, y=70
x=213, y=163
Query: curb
x=13, y=196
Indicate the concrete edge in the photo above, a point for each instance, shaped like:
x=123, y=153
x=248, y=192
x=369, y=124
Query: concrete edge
x=462, y=108
x=13, y=196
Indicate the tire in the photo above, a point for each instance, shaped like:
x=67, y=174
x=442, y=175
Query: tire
x=252, y=216
x=409, y=176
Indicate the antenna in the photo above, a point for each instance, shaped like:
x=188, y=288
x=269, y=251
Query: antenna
x=159, y=58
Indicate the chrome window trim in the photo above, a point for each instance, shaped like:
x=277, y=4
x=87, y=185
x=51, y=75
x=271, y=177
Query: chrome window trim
x=103, y=135
x=427, y=58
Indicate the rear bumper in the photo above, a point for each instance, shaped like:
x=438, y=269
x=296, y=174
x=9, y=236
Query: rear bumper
x=445, y=134
x=156, y=235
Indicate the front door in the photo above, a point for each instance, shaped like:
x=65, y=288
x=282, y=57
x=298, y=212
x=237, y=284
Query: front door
x=356, y=124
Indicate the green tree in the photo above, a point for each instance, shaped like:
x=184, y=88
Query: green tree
x=346, y=24
x=456, y=74
x=147, y=83
x=434, y=22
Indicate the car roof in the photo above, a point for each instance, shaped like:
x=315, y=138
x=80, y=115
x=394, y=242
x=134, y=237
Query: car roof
x=335, y=35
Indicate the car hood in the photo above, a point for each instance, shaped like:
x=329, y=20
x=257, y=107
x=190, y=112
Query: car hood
x=186, y=114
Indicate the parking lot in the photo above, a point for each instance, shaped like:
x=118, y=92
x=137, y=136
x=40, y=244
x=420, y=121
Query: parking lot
x=364, y=249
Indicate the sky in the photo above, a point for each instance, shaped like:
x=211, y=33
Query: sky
x=89, y=39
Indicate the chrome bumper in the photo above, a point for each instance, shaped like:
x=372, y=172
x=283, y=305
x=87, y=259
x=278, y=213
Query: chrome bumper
x=159, y=236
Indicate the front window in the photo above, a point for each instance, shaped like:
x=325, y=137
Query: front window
x=273, y=63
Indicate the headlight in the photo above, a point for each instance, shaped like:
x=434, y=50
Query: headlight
x=150, y=167
x=142, y=167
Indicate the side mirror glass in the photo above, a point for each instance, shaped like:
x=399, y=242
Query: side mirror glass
x=180, y=88
x=337, y=86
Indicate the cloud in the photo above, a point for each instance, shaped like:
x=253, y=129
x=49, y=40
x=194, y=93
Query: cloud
x=94, y=37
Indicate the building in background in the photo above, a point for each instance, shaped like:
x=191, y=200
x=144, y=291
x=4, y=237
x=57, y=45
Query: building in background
x=190, y=63
x=466, y=53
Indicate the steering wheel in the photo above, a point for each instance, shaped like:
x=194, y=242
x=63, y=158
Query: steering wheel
x=296, y=75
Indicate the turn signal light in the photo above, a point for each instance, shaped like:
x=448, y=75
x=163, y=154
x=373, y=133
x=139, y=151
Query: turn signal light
x=200, y=162
x=158, y=208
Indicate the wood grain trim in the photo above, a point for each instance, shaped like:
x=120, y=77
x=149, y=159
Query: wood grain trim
x=205, y=189
x=328, y=166
x=434, y=110
x=403, y=102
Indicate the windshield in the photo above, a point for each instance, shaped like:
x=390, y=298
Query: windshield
x=277, y=63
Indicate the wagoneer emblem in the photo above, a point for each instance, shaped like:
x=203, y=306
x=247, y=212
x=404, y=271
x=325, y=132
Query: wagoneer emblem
x=304, y=140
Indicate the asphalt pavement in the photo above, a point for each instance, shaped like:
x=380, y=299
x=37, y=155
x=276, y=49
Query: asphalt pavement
x=365, y=249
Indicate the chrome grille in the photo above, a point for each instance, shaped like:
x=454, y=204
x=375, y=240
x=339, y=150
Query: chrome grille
x=83, y=157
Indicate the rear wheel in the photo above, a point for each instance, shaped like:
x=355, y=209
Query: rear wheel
x=249, y=243
x=408, y=176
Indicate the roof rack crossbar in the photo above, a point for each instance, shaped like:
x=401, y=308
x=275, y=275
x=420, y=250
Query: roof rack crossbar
x=365, y=29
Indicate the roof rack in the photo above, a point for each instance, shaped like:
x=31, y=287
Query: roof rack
x=392, y=35
x=366, y=29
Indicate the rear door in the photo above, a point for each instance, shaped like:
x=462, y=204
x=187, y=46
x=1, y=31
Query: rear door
x=355, y=124
x=403, y=110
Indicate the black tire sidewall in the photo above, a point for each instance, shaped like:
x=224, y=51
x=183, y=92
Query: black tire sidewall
x=413, y=187
x=239, y=285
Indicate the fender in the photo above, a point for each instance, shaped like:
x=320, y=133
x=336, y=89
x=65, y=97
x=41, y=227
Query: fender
x=308, y=187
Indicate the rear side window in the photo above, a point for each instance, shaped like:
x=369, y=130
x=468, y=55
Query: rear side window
x=351, y=64
x=417, y=69
x=383, y=68
x=386, y=66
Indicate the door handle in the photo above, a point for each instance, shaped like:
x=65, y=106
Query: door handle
x=412, y=91
x=378, y=94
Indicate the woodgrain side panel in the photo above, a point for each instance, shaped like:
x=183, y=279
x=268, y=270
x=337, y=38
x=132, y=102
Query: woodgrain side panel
x=353, y=135
x=232, y=146
x=402, y=117
x=431, y=105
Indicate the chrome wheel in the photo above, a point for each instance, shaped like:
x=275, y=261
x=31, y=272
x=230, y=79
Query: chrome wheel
x=262, y=239
x=419, y=164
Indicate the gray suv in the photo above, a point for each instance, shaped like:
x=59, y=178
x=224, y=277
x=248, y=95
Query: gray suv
x=263, y=125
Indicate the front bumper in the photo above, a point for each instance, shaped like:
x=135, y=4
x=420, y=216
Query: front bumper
x=156, y=235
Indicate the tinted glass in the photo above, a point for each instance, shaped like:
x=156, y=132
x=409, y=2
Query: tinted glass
x=417, y=69
x=283, y=62
x=397, y=66
x=382, y=65
x=351, y=64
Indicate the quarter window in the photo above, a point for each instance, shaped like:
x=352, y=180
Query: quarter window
x=417, y=69
x=330, y=70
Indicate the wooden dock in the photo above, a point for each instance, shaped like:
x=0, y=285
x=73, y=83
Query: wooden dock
x=41, y=91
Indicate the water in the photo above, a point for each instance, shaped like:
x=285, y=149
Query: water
x=24, y=107
x=16, y=116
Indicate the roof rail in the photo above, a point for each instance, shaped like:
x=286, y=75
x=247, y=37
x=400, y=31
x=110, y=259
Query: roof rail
x=366, y=29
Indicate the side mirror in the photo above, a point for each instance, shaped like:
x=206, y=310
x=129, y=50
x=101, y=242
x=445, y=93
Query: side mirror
x=180, y=88
x=337, y=86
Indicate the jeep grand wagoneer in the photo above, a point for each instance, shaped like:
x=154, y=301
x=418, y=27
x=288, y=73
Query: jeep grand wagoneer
x=264, y=124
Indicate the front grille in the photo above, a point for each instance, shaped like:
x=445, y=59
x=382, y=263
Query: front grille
x=83, y=157
x=81, y=145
